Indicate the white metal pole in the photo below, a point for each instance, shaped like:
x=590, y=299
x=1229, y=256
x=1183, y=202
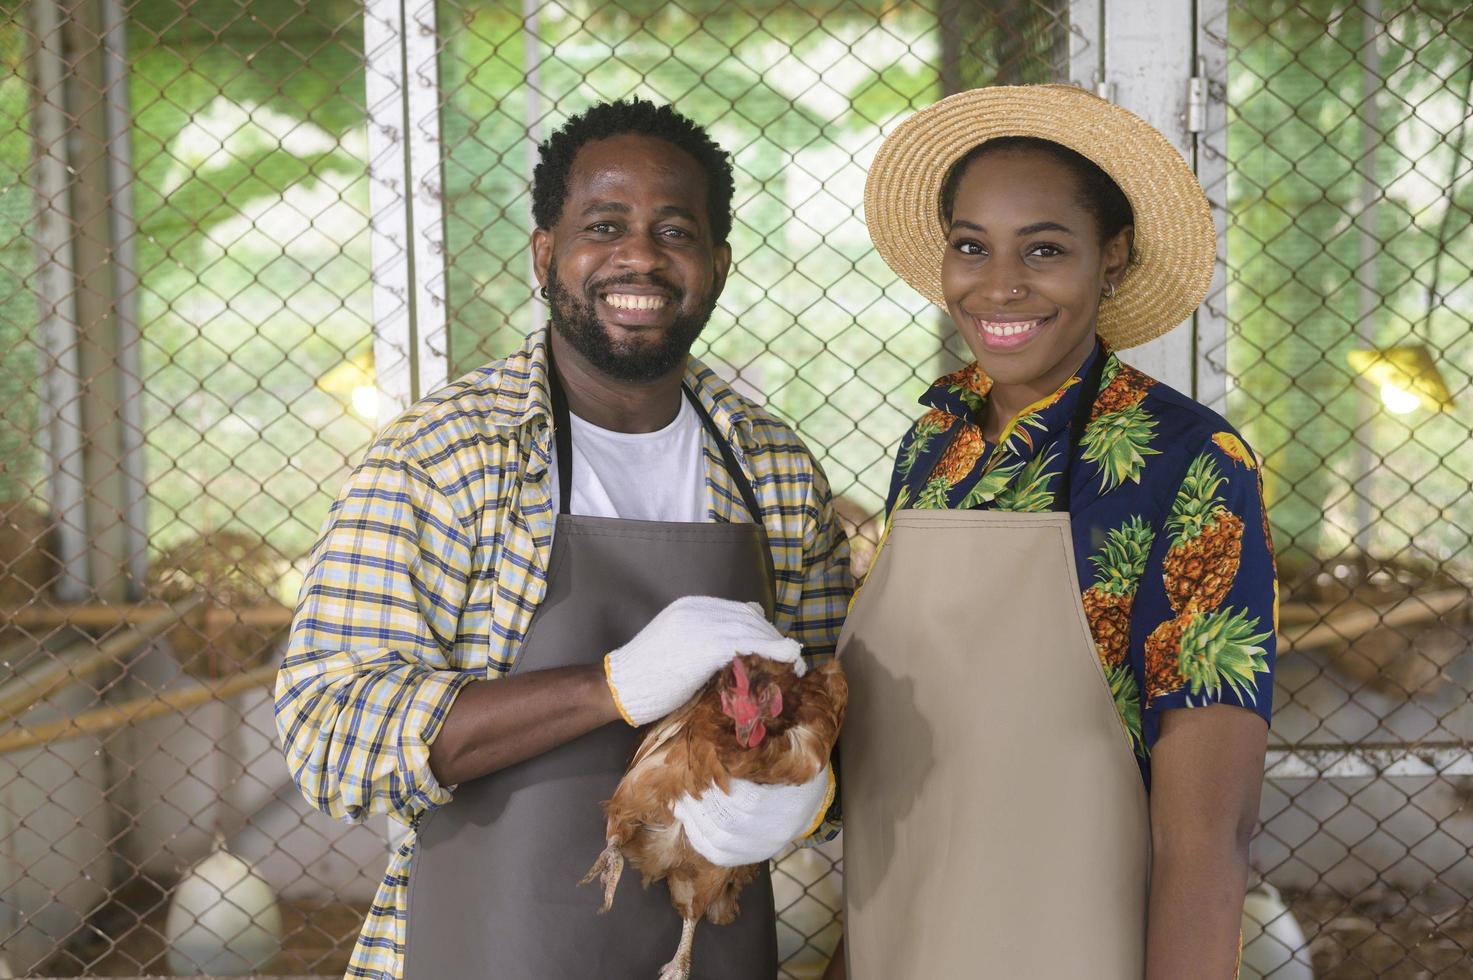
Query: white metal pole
x=1369, y=298
x=55, y=286
x=388, y=203
x=123, y=231
x=532, y=58
x=427, y=198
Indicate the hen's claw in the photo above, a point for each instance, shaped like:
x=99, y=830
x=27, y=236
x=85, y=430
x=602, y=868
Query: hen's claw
x=608, y=868
x=679, y=967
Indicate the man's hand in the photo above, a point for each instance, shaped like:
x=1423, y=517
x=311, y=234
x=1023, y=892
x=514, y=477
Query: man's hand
x=666, y=663
x=754, y=821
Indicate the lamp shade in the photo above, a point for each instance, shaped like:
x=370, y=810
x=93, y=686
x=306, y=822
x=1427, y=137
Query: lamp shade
x=1407, y=368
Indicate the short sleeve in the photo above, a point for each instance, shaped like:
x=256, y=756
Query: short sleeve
x=1210, y=592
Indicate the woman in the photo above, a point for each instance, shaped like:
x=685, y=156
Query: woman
x=1061, y=660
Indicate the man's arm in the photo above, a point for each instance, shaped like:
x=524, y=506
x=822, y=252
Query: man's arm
x=374, y=715
x=1207, y=772
x=367, y=681
x=495, y=724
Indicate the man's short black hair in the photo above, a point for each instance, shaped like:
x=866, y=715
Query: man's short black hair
x=643, y=118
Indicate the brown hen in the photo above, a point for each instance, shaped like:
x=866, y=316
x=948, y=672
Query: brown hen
x=756, y=720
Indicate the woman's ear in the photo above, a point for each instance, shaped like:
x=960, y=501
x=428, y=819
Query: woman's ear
x=1115, y=256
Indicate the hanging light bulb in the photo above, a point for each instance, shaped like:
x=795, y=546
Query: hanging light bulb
x=365, y=402
x=1406, y=375
x=1397, y=399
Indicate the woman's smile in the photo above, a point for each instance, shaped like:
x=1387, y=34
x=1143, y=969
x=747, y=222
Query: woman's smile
x=1023, y=273
x=1010, y=333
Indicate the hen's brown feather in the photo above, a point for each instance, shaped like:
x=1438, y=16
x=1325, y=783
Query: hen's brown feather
x=695, y=748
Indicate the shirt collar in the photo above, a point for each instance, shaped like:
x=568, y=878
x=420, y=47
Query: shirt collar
x=522, y=397
x=963, y=394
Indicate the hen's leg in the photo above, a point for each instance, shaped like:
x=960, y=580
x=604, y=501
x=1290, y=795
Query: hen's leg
x=679, y=967
x=608, y=868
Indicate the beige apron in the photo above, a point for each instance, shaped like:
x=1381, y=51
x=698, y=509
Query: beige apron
x=995, y=821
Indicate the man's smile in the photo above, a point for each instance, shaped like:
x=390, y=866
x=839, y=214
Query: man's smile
x=634, y=301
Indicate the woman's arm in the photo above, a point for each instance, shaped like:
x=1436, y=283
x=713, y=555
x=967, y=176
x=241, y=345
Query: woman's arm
x=836, y=970
x=1207, y=771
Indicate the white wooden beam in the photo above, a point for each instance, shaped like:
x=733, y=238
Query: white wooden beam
x=388, y=205
x=1367, y=761
x=1086, y=47
x=532, y=57
x=1148, y=59
x=1211, y=322
x=427, y=197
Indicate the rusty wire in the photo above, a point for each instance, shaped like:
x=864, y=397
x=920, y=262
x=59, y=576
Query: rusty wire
x=189, y=314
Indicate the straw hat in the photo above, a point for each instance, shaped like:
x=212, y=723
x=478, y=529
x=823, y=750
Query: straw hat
x=1175, y=242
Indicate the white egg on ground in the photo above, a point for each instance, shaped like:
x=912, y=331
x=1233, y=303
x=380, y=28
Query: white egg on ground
x=1273, y=944
x=223, y=919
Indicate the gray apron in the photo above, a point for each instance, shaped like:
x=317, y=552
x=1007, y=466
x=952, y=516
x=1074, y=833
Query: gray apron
x=493, y=884
x=995, y=822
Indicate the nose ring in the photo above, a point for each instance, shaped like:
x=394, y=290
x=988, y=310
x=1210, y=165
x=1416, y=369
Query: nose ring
x=1017, y=291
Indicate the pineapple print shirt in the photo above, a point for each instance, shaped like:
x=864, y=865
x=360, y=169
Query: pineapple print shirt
x=1170, y=534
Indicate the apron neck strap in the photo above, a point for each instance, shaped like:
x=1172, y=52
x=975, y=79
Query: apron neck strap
x=562, y=432
x=1089, y=389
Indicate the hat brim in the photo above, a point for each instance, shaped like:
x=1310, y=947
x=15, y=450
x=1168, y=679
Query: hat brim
x=1175, y=244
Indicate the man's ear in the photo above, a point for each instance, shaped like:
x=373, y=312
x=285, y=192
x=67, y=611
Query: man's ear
x=541, y=254
x=721, y=261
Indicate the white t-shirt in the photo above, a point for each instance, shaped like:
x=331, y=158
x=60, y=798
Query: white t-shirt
x=639, y=476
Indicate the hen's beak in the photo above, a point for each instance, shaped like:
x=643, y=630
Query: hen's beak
x=750, y=734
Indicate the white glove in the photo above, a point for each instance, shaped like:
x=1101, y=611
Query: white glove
x=666, y=663
x=753, y=822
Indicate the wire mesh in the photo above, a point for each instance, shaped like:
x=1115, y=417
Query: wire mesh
x=194, y=325
x=1349, y=192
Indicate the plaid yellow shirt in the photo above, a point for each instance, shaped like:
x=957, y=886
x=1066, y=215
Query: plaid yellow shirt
x=433, y=562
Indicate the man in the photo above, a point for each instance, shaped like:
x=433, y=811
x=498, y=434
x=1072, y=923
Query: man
x=557, y=548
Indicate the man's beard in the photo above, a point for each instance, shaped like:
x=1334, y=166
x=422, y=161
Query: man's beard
x=577, y=320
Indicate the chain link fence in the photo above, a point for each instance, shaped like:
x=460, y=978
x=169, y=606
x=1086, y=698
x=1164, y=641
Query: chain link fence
x=1350, y=189
x=199, y=334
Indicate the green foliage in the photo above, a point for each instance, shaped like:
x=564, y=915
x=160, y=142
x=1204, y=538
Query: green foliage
x=1321, y=125
x=19, y=471
x=249, y=141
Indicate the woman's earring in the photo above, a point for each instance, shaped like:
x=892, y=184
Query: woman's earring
x=1109, y=290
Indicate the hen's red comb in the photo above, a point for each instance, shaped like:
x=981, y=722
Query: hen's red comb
x=739, y=674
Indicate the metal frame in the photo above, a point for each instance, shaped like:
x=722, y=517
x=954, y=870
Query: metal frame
x=60, y=421
x=1127, y=51
x=1210, y=324
x=124, y=230
x=406, y=200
